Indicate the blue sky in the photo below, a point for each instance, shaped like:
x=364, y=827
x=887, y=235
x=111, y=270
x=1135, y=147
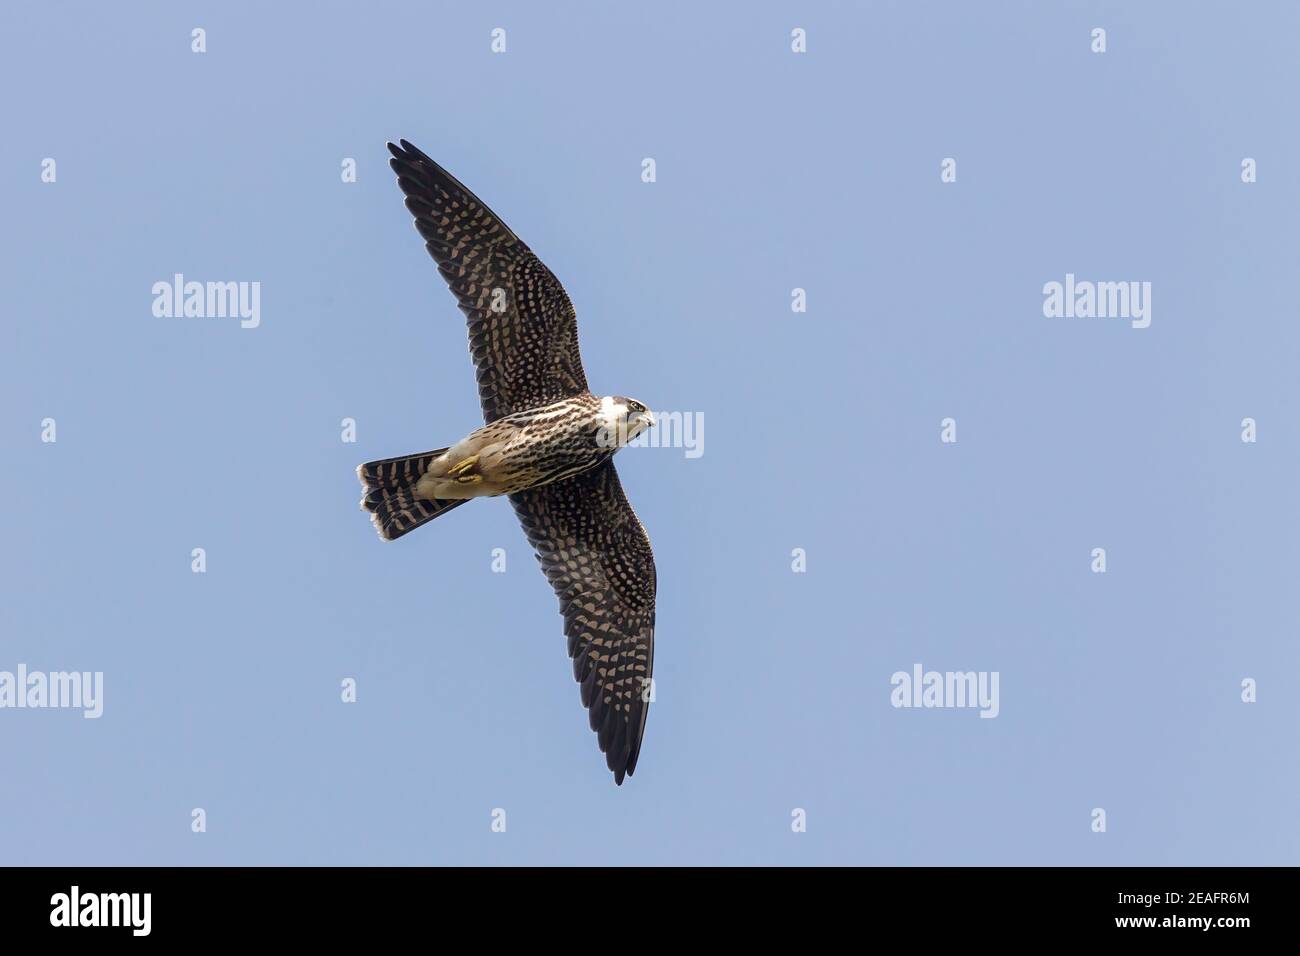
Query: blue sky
x=775, y=171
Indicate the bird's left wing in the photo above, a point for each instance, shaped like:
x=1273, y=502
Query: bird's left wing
x=597, y=557
x=523, y=330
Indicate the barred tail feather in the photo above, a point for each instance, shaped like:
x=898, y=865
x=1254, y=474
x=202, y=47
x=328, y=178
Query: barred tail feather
x=390, y=494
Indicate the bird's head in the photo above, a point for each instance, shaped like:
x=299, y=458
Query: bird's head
x=622, y=419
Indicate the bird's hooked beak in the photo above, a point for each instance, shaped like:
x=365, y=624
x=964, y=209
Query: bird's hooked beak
x=639, y=422
x=632, y=425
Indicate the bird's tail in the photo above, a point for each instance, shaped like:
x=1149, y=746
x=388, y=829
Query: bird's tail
x=390, y=494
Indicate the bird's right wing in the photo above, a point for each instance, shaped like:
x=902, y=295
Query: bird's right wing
x=523, y=330
x=597, y=557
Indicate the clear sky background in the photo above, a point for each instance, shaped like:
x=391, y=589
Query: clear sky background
x=775, y=170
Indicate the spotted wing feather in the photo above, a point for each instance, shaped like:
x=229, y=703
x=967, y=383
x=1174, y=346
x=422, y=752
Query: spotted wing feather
x=523, y=331
x=597, y=557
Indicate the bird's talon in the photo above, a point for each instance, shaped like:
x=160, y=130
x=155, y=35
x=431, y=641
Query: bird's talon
x=463, y=466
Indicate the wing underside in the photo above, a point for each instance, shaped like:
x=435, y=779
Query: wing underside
x=597, y=556
x=523, y=330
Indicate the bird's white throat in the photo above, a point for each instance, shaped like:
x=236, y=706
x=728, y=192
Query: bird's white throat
x=619, y=424
x=612, y=413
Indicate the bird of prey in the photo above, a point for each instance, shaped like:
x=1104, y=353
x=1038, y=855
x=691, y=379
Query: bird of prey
x=547, y=442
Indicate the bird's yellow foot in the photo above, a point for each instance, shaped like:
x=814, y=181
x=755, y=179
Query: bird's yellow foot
x=462, y=466
x=468, y=479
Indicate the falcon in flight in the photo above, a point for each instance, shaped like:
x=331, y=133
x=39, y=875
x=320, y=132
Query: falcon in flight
x=548, y=443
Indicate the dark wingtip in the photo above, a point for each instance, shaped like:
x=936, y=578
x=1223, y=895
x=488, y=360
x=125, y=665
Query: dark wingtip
x=412, y=152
